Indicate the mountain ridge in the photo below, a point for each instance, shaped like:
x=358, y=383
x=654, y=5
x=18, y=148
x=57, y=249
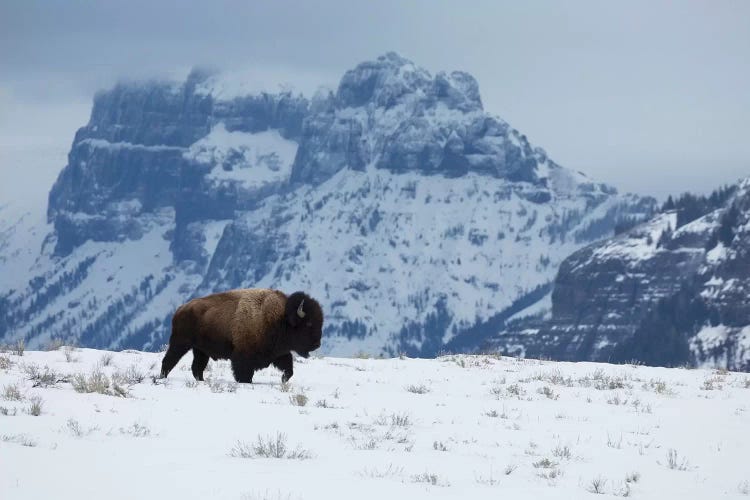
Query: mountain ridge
x=397, y=200
x=670, y=291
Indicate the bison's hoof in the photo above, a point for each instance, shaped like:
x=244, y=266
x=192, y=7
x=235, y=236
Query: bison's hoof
x=285, y=378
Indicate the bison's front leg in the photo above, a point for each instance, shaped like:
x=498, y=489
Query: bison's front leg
x=242, y=368
x=285, y=364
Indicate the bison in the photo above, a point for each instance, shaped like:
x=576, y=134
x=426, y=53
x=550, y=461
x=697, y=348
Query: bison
x=253, y=328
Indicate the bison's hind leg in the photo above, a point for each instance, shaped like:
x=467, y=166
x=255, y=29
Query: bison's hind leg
x=285, y=364
x=173, y=355
x=200, y=361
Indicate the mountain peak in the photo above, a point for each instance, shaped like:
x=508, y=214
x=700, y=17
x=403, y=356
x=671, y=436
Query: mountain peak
x=392, y=79
x=396, y=59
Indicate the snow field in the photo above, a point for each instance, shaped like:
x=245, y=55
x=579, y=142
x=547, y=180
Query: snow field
x=368, y=428
x=257, y=159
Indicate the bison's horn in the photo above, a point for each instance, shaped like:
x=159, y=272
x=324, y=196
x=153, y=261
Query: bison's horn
x=300, y=312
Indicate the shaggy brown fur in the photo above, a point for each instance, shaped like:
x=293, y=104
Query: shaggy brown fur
x=251, y=327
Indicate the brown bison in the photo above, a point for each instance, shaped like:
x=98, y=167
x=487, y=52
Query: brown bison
x=253, y=328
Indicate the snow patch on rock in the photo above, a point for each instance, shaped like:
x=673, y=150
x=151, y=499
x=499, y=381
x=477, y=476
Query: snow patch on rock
x=250, y=160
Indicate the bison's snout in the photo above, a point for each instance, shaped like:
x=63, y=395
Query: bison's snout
x=306, y=352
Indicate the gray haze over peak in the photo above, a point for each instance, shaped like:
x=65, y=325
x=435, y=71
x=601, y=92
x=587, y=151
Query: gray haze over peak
x=648, y=96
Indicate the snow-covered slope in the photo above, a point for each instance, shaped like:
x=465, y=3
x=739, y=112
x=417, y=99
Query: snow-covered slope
x=397, y=200
x=473, y=426
x=412, y=260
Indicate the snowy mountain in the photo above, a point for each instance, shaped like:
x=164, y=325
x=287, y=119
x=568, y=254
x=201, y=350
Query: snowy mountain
x=455, y=426
x=672, y=291
x=411, y=213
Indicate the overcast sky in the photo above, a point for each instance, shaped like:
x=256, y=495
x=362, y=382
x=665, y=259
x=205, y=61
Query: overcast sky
x=652, y=97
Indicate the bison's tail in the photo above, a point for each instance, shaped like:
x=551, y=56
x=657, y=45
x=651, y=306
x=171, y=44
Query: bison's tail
x=179, y=342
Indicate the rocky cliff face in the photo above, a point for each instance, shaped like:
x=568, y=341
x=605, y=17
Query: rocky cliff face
x=414, y=215
x=674, y=290
x=151, y=146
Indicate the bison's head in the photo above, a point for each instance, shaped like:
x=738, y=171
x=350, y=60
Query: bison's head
x=304, y=318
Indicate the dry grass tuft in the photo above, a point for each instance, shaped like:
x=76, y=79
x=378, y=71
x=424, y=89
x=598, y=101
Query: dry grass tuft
x=19, y=348
x=549, y=393
x=41, y=378
x=544, y=463
x=675, y=462
x=400, y=420
x=21, y=439
x=136, y=430
x=12, y=392
x=269, y=447
x=217, y=385
x=439, y=446
x=97, y=382
x=299, y=399
x=389, y=471
x=596, y=485
x=5, y=363
x=418, y=389
x=36, y=404
x=76, y=430
x=562, y=452
x=429, y=478
x=130, y=376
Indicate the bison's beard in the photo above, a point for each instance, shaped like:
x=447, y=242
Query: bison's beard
x=304, y=354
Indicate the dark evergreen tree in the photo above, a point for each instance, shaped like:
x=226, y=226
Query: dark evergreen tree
x=668, y=205
x=664, y=237
x=625, y=224
x=727, y=225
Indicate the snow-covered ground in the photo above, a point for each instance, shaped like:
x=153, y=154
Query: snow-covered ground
x=474, y=426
